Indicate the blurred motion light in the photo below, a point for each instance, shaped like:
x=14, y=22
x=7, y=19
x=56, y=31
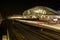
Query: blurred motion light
x=55, y=19
x=14, y=17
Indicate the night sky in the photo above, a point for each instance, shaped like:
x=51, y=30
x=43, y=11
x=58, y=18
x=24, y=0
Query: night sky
x=17, y=7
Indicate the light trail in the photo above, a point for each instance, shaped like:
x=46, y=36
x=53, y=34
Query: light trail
x=56, y=27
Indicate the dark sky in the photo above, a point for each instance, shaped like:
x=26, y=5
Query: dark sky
x=27, y=3
x=16, y=7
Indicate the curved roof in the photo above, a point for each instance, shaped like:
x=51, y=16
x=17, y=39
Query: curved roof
x=40, y=10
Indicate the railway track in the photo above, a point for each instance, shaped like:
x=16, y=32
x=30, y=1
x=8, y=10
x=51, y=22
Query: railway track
x=21, y=31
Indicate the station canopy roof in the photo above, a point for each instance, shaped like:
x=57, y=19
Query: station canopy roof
x=40, y=10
